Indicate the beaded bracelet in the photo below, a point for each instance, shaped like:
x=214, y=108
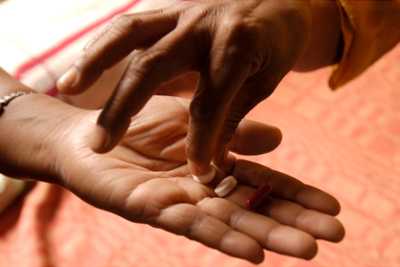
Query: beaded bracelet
x=5, y=100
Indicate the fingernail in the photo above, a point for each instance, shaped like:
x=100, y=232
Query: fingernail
x=258, y=198
x=107, y=142
x=68, y=80
x=3, y=182
x=226, y=186
x=207, y=177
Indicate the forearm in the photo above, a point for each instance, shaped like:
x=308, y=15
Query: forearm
x=324, y=40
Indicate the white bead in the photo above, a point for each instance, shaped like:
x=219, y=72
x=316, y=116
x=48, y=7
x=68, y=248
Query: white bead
x=226, y=186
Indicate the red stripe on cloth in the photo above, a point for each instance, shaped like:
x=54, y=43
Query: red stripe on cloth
x=52, y=92
x=34, y=61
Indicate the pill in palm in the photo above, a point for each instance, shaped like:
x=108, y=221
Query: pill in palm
x=226, y=186
x=259, y=197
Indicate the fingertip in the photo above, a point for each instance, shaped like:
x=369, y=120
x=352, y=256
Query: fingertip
x=337, y=231
x=254, y=138
x=257, y=256
x=290, y=241
x=242, y=246
x=336, y=208
x=66, y=84
x=306, y=248
x=277, y=136
x=331, y=205
x=311, y=251
x=101, y=141
x=321, y=226
x=315, y=198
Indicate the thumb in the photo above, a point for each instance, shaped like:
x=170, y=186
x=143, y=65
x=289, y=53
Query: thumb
x=254, y=138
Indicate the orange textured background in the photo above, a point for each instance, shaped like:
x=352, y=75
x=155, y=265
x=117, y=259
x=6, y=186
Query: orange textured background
x=347, y=143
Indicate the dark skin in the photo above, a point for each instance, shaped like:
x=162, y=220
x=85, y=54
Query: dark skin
x=145, y=179
x=241, y=50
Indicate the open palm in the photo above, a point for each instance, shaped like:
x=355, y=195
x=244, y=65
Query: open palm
x=145, y=179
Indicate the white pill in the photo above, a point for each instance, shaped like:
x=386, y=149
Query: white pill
x=226, y=186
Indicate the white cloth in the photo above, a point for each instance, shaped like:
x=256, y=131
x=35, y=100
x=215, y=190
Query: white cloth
x=40, y=39
x=48, y=34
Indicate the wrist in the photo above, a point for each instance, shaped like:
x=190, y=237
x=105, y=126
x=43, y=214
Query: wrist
x=9, y=85
x=289, y=32
x=324, y=40
x=30, y=129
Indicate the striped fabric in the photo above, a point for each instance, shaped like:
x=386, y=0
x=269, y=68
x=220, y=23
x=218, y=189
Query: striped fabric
x=41, y=38
x=347, y=143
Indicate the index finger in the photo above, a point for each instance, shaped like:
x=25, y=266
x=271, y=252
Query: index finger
x=123, y=35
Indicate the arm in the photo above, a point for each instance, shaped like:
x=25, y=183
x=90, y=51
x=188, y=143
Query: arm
x=145, y=178
x=370, y=29
x=30, y=126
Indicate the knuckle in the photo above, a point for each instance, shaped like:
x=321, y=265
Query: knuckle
x=154, y=56
x=124, y=20
x=235, y=26
x=125, y=24
x=143, y=63
x=197, y=10
x=218, y=207
x=140, y=203
x=119, y=28
x=197, y=222
x=206, y=203
x=202, y=111
x=214, y=205
x=240, y=27
x=243, y=35
x=243, y=41
x=236, y=218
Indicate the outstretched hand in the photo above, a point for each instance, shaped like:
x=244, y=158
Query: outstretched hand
x=145, y=179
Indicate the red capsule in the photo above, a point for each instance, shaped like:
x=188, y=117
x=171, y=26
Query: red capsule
x=258, y=198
